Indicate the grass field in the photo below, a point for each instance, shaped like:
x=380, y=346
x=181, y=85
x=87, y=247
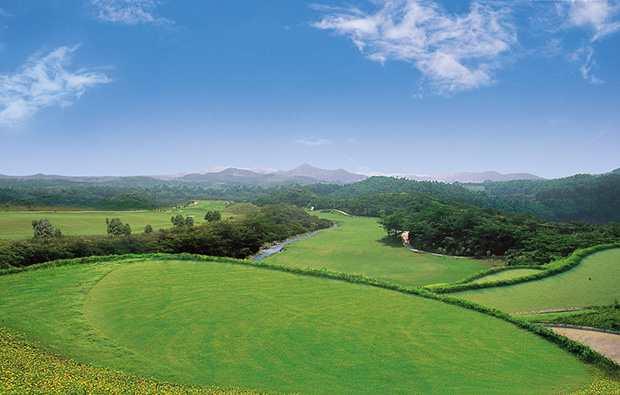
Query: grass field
x=18, y=225
x=28, y=369
x=360, y=246
x=602, y=317
x=506, y=275
x=569, y=289
x=216, y=323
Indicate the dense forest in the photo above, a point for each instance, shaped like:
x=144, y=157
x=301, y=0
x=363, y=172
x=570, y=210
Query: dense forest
x=589, y=198
x=230, y=238
x=458, y=229
x=582, y=197
x=46, y=194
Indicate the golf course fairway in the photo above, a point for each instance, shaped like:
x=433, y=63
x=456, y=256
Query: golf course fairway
x=359, y=245
x=229, y=324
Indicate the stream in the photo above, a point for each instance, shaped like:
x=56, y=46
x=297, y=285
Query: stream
x=278, y=247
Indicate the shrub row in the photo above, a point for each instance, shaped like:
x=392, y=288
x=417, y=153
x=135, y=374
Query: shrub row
x=552, y=269
x=490, y=271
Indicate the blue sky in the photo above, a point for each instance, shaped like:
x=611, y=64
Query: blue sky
x=144, y=87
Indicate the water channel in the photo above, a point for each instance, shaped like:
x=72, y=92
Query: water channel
x=278, y=247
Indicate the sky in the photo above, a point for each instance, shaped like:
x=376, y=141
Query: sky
x=152, y=87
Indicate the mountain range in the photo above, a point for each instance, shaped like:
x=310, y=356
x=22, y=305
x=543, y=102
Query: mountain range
x=303, y=174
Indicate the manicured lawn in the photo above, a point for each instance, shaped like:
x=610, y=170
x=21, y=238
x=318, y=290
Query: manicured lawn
x=360, y=246
x=595, y=281
x=18, y=225
x=506, y=275
x=217, y=323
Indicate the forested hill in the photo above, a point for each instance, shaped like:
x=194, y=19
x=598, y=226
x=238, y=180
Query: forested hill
x=357, y=197
x=589, y=198
x=583, y=197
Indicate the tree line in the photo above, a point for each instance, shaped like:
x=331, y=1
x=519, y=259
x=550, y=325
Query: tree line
x=228, y=238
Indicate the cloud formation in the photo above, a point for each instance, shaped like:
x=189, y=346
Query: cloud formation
x=585, y=56
x=600, y=19
x=43, y=81
x=314, y=143
x=454, y=52
x=595, y=15
x=128, y=12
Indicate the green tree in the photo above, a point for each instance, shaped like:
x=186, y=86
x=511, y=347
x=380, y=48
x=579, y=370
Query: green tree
x=43, y=229
x=148, y=229
x=126, y=230
x=213, y=216
x=189, y=222
x=117, y=228
x=178, y=221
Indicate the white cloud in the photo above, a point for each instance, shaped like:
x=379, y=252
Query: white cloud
x=43, y=81
x=454, y=52
x=599, y=20
x=314, y=143
x=596, y=15
x=585, y=56
x=129, y=12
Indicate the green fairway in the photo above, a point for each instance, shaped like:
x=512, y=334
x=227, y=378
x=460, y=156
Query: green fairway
x=18, y=225
x=506, y=275
x=218, y=323
x=360, y=246
x=569, y=289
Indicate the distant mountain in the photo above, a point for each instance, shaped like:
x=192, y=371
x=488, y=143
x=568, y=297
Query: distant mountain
x=339, y=176
x=39, y=176
x=219, y=169
x=474, y=177
x=231, y=175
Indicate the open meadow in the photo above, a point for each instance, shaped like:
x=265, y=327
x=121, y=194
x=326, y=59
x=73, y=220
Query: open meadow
x=227, y=324
x=595, y=281
x=18, y=225
x=360, y=246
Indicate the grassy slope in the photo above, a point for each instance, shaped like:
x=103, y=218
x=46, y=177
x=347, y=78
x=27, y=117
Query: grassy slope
x=18, y=225
x=568, y=289
x=28, y=369
x=506, y=274
x=360, y=246
x=220, y=323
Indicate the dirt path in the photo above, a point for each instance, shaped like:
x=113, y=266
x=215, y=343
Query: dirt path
x=607, y=344
x=342, y=212
x=549, y=311
x=405, y=237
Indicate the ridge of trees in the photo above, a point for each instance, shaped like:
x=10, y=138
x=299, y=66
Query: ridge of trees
x=588, y=198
